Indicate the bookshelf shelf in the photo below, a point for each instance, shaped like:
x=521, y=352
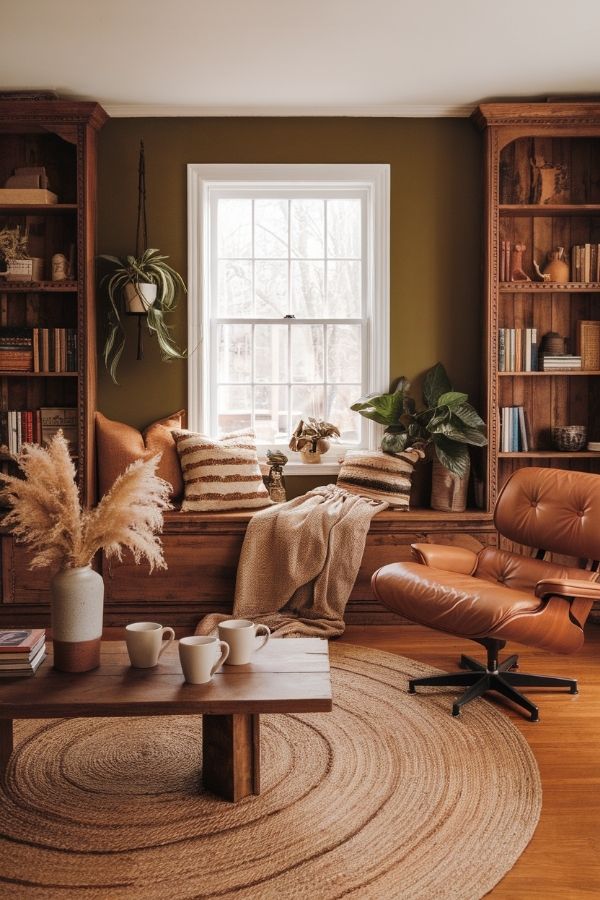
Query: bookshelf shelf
x=38, y=287
x=569, y=373
x=39, y=374
x=549, y=287
x=551, y=454
x=537, y=153
x=549, y=209
x=24, y=209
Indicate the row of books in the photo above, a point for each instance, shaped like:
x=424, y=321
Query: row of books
x=517, y=350
x=55, y=350
x=38, y=349
x=22, y=651
x=585, y=263
x=24, y=426
x=513, y=430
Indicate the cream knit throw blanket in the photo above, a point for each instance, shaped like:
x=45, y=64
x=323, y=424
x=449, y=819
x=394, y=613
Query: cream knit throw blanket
x=299, y=562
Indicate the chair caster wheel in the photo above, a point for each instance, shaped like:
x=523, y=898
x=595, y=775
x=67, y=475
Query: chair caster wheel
x=574, y=690
x=535, y=717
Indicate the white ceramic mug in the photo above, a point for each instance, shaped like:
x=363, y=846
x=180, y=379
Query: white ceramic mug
x=198, y=657
x=145, y=643
x=240, y=635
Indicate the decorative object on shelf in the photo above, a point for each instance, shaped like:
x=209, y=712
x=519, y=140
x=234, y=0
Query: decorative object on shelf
x=275, y=479
x=553, y=344
x=27, y=185
x=447, y=424
x=61, y=269
x=541, y=275
x=557, y=266
x=147, y=285
x=312, y=438
x=19, y=265
x=549, y=181
x=589, y=344
x=569, y=438
x=47, y=516
x=517, y=272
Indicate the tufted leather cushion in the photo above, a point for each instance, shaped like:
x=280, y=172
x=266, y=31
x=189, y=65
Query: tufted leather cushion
x=551, y=509
x=449, y=601
x=118, y=445
x=522, y=573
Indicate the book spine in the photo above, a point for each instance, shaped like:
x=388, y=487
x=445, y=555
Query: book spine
x=515, y=430
x=501, y=350
x=534, y=350
x=522, y=430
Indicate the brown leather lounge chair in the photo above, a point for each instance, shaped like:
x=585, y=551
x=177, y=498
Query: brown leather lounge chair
x=495, y=595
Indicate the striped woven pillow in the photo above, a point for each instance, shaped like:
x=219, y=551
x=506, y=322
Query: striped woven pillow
x=220, y=474
x=380, y=476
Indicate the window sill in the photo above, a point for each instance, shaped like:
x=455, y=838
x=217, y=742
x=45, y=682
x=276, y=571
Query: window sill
x=293, y=469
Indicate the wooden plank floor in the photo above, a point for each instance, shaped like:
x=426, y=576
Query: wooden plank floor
x=563, y=858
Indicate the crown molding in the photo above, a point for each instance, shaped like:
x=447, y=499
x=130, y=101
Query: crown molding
x=401, y=110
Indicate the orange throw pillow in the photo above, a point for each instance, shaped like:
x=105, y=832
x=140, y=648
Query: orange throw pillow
x=118, y=445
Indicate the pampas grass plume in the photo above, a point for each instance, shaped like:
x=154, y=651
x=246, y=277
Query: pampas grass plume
x=46, y=512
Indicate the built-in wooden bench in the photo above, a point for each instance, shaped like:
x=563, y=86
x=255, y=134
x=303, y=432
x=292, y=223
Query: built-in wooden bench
x=202, y=552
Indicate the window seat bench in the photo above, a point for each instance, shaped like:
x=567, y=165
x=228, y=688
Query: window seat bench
x=202, y=552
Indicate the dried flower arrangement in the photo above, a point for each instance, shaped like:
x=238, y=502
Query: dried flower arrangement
x=46, y=511
x=13, y=243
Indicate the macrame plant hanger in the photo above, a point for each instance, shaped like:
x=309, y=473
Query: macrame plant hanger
x=141, y=236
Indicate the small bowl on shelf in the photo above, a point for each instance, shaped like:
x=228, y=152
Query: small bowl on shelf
x=569, y=438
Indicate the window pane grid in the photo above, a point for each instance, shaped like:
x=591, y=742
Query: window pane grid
x=332, y=280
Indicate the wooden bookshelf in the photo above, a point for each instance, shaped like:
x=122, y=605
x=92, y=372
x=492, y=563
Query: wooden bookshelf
x=542, y=190
x=61, y=136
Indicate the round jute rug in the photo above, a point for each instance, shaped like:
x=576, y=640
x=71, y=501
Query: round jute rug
x=386, y=797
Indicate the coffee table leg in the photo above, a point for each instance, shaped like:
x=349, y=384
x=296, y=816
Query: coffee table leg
x=231, y=755
x=6, y=743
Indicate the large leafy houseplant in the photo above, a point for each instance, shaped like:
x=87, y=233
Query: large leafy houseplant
x=448, y=422
x=150, y=267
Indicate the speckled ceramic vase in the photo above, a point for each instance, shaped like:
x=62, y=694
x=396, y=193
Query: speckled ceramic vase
x=77, y=607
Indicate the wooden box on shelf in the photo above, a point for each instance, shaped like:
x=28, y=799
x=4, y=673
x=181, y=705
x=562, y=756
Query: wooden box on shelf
x=542, y=193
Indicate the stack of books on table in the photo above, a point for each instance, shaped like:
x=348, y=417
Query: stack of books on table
x=556, y=363
x=22, y=651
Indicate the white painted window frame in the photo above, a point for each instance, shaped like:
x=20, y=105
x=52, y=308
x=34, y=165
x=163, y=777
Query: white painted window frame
x=202, y=181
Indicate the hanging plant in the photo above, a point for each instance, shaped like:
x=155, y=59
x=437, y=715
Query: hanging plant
x=144, y=285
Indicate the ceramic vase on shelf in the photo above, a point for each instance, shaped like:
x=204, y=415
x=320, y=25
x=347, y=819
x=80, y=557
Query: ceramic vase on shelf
x=77, y=603
x=448, y=491
x=557, y=267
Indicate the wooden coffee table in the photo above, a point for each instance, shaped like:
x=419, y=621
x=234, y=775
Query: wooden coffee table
x=289, y=675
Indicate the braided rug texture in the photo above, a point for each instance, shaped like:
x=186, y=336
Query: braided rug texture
x=387, y=796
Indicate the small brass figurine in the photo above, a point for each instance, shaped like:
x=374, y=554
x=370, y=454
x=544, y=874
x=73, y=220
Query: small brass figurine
x=275, y=479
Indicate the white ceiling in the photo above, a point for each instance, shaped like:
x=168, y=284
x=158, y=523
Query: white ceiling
x=300, y=57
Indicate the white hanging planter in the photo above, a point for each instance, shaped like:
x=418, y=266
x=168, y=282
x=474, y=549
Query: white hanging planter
x=139, y=296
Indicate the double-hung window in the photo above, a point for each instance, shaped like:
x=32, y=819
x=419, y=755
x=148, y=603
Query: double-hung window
x=289, y=296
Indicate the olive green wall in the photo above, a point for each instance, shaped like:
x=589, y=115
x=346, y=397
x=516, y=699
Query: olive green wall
x=435, y=230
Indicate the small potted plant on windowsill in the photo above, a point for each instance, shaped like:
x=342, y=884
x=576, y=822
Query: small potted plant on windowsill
x=447, y=425
x=312, y=438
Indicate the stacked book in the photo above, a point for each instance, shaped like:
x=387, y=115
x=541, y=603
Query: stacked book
x=563, y=362
x=513, y=430
x=22, y=652
x=505, y=260
x=585, y=263
x=54, y=350
x=517, y=350
x=16, y=350
x=25, y=426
